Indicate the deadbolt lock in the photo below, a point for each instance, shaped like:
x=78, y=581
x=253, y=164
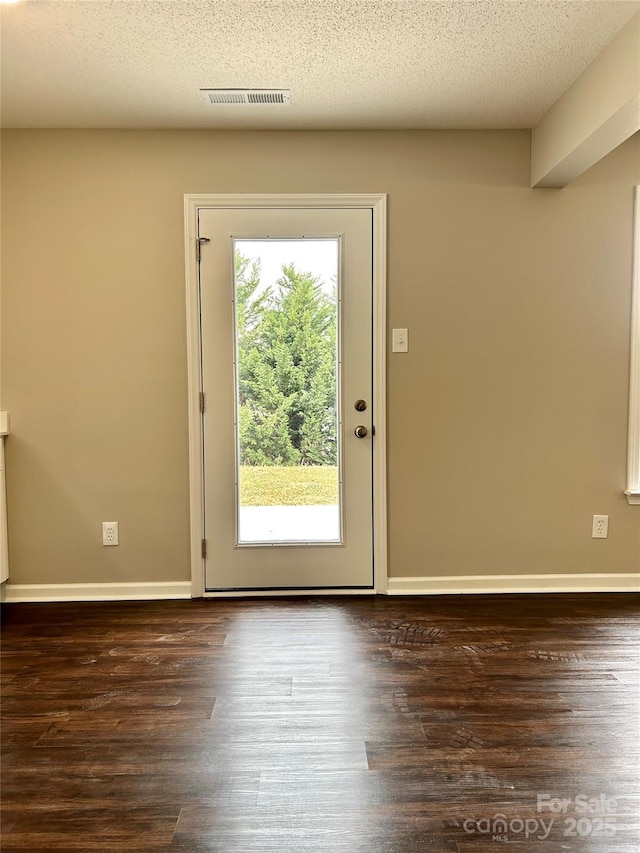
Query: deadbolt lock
x=360, y=405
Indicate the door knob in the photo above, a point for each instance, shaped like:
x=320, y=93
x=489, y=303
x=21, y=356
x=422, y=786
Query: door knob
x=360, y=431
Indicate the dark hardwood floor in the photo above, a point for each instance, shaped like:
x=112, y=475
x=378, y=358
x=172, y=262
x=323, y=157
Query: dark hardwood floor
x=358, y=725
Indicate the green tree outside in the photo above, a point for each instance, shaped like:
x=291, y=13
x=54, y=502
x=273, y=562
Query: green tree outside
x=286, y=368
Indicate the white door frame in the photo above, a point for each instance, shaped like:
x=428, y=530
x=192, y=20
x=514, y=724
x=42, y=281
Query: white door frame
x=377, y=203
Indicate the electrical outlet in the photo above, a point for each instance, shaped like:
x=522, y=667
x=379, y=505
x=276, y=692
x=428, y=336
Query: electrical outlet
x=109, y=532
x=600, y=529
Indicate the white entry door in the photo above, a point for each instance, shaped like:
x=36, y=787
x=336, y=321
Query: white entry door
x=286, y=340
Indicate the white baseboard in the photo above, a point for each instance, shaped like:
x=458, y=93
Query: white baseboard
x=42, y=592
x=474, y=584
x=458, y=584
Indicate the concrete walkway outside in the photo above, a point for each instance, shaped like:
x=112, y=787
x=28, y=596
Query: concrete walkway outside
x=289, y=524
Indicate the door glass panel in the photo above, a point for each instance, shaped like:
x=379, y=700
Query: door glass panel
x=286, y=371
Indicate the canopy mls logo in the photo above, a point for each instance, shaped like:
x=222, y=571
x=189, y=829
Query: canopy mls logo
x=501, y=828
x=581, y=816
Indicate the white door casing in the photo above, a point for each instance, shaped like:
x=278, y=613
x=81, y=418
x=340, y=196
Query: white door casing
x=339, y=567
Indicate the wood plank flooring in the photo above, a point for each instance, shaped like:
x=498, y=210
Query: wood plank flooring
x=352, y=724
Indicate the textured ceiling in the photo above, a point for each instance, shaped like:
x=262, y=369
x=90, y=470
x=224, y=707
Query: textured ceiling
x=367, y=64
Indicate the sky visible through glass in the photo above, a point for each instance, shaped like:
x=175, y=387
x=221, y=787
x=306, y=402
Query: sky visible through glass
x=318, y=257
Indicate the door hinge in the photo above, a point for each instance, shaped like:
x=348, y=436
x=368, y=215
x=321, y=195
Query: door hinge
x=202, y=402
x=199, y=242
x=204, y=549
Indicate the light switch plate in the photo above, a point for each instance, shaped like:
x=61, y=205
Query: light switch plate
x=400, y=340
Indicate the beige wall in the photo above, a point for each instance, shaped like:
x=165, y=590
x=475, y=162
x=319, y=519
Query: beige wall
x=507, y=420
x=596, y=114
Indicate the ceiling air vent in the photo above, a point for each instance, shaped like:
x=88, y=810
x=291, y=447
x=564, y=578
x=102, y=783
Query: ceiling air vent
x=246, y=96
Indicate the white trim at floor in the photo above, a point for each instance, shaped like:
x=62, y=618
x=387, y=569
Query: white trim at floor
x=459, y=584
x=42, y=592
x=473, y=584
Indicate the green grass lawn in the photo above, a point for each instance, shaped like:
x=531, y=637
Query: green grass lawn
x=297, y=486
